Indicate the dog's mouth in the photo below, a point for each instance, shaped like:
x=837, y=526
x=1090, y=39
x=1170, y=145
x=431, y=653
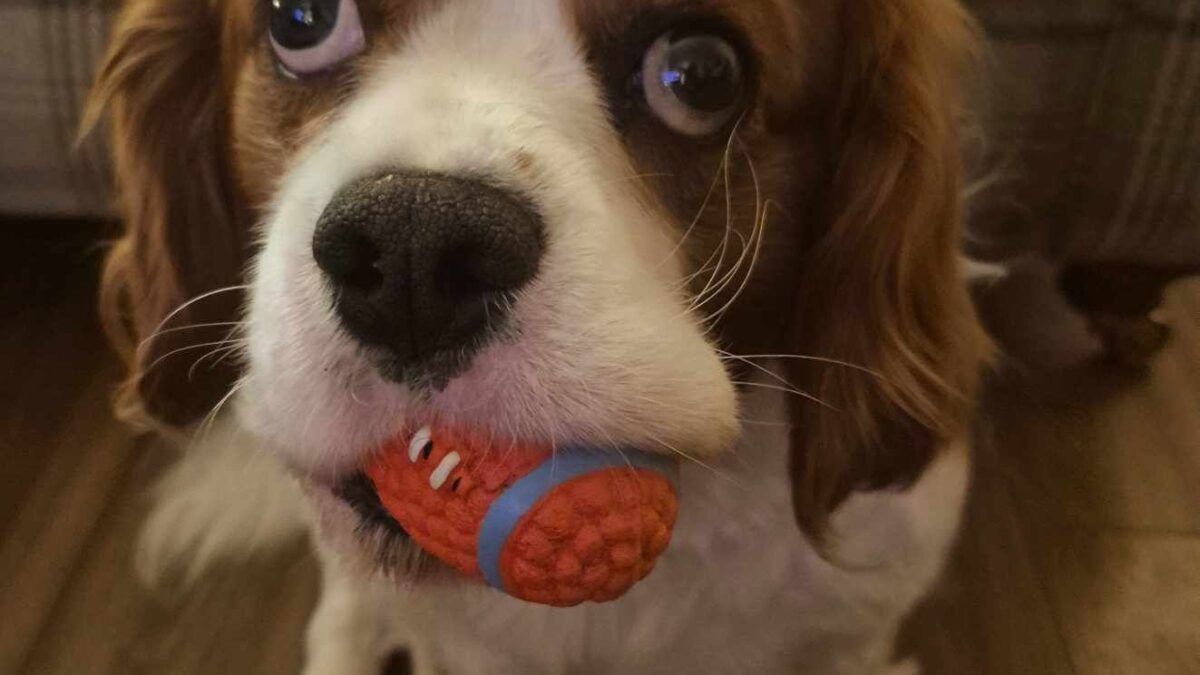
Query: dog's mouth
x=387, y=546
x=434, y=465
x=360, y=494
x=551, y=525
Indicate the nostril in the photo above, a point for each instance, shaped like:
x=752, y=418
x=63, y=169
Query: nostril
x=366, y=274
x=351, y=260
x=459, y=275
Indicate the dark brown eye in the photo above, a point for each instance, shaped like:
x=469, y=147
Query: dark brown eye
x=310, y=36
x=693, y=83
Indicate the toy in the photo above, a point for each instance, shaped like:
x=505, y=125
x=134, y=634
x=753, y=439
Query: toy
x=555, y=528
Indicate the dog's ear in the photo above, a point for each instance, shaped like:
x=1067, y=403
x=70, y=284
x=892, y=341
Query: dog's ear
x=184, y=238
x=881, y=295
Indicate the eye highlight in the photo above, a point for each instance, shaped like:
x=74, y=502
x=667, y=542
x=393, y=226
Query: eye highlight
x=694, y=83
x=311, y=36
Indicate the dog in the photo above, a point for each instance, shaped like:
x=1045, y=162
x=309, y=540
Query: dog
x=722, y=231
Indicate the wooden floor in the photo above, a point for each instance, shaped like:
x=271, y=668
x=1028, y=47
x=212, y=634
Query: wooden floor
x=1081, y=553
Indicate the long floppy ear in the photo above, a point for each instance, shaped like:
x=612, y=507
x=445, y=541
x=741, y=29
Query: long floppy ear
x=881, y=290
x=184, y=234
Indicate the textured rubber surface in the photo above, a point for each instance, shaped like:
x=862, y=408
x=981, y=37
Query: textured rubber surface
x=591, y=538
x=579, y=526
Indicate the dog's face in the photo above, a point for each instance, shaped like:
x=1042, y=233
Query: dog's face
x=592, y=133
x=552, y=221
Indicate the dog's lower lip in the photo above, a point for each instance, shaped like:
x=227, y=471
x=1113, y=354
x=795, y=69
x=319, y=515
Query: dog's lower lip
x=359, y=493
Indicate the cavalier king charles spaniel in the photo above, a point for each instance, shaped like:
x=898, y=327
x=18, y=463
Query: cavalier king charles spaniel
x=726, y=231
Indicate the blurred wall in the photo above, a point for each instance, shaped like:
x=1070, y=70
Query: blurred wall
x=1092, y=117
x=48, y=54
x=1094, y=128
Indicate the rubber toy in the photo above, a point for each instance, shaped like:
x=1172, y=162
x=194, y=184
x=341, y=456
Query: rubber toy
x=555, y=528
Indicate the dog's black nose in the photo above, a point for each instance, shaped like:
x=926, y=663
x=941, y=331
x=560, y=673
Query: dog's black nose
x=424, y=266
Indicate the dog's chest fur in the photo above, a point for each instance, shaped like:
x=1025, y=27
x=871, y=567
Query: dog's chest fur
x=740, y=589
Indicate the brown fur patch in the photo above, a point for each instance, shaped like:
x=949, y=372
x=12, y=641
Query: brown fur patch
x=185, y=222
x=881, y=285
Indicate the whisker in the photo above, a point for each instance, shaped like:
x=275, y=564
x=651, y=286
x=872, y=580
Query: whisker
x=712, y=189
x=757, y=236
x=815, y=359
x=228, y=352
x=723, y=475
x=211, y=418
x=198, y=298
x=750, y=250
x=724, y=246
x=682, y=284
x=788, y=390
x=624, y=456
x=224, y=353
x=709, y=267
x=196, y=326
x=726, y=279
x=758, y=239
x=188, y=348
x=725, y=240
x=763, y=369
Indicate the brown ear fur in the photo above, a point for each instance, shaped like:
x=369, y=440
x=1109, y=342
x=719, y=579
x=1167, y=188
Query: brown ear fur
x=184, y=230
x=881, y=288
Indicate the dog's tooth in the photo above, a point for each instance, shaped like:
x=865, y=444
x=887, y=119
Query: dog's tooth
x=418, y=443
x=442, y=473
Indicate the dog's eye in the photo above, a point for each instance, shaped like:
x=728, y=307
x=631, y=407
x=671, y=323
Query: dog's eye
x=693, y=82
x=310, y=36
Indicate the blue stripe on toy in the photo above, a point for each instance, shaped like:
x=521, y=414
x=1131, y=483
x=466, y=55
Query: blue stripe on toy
x=565, y=465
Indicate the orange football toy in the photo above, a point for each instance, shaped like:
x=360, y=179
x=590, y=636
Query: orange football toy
x=555, y=528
